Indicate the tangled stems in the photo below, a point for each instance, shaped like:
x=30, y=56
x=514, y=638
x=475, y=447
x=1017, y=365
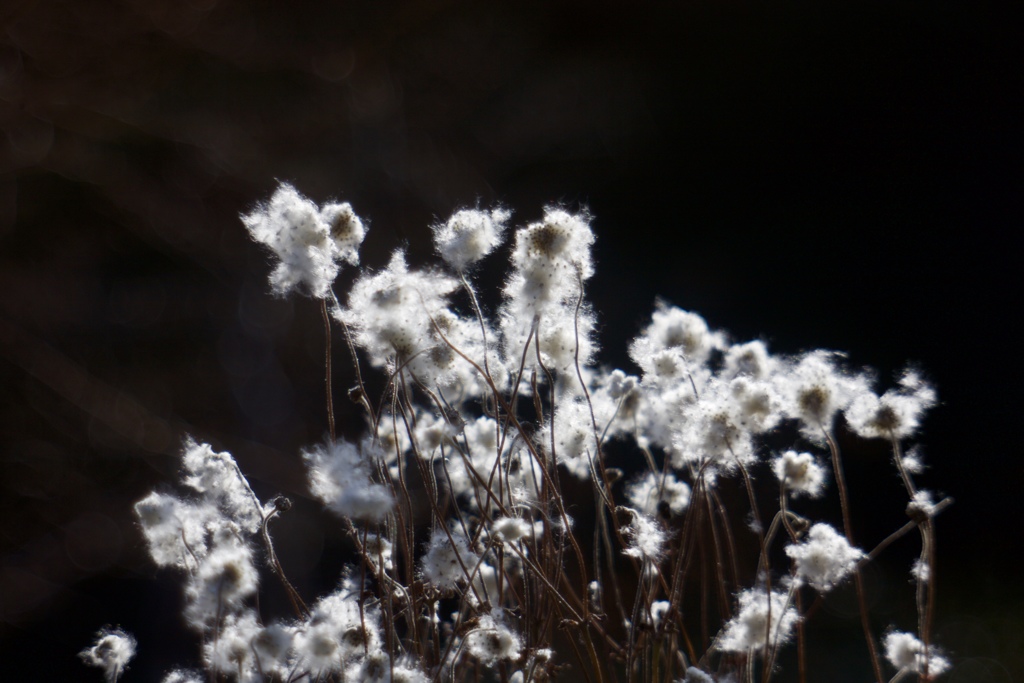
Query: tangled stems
x=484, y=422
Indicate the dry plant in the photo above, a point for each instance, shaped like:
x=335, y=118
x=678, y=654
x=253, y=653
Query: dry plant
x=494, y=540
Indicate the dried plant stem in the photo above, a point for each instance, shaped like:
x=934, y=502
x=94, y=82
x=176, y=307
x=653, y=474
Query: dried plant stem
x=723, y=595
x=844, y=502
x=298, y=606
x=904, y=530
x=327, y=369
x=801, y=635
x=801, y=641
x=926, y=585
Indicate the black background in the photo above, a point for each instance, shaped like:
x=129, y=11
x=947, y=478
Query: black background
x=843, y=175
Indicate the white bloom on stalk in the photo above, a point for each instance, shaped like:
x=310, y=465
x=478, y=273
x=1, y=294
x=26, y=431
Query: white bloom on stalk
x=218, y=479
x=655, y=490
x=231, y=652
x=674, y=349
x=378, y=551
x=182, y=676
x=656, y=615
x=814, y=389
x=337, y=631
x=308, y=241
x=511, y=529
x=659, y=366
x=756, y=404
x=225, y=578
x=175, y=531
x=469, y=235
x=112, y=651
x=445, y=563
x=573, y=441
x=550, y=262
x=178, y=531
x=433, y=432
x=749, y=360
x=825, y=558
x=492, y=640
x=646, y=539
x=566, y=340
x=339, y=475
x=716, y=429
x=905, y=652
x=618, y=396
x=379, y=667
x=550, y=258
x=896, y=413
x=799, y=473
x=392, y=313
x=272, y=647
x=752, y=628
x=673, y=328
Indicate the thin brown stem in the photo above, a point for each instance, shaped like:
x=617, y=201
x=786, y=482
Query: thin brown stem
x=327, y=368
x=844, y=502
x=905, y=529
x=926, y=582
x=281, y=504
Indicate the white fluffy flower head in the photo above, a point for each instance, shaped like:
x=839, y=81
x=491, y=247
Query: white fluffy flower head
x=225, y=578
x=655, y=490
x=469, y=235
x=896, y=413
x=673, y=328
x=800, y=473
x=175, y=530
x=905, y=652
x=550, y=257
x=112, y=651
x=750, y=360
x=646, y=538
x=339, y=475
x=216, y=476
x=511, y=529
x=752, y=629
x=231, y=651
x=308, y=241
x=825, y=558
x=337, y=631
x=492, y=640
x=815, y=389
x=393, y=312
x=445, y=563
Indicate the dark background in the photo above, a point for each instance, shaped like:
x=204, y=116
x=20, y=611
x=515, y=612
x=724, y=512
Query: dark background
x=844, y=175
